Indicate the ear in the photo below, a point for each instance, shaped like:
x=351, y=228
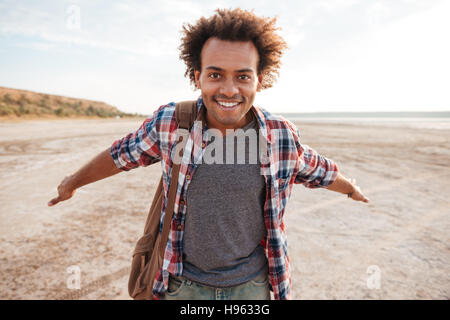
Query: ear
x=259, y=85
x=197, y=78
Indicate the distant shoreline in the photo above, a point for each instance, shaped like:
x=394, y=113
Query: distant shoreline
x=349, y=115
x=27, y=118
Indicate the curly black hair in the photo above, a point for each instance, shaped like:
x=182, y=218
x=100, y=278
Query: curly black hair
x=235, y=25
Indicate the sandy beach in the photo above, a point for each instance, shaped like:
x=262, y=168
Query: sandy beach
x=396, y=247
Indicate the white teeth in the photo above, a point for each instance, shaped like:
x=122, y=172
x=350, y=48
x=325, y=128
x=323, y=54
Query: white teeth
x=228, y=104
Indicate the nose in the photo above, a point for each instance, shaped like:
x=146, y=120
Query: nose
x=229, y=88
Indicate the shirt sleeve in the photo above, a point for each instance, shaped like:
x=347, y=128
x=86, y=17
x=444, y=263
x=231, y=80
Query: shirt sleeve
x=139, y=148
x=315, y=170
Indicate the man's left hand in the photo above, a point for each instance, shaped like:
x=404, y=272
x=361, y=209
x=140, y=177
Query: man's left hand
x=356, y=194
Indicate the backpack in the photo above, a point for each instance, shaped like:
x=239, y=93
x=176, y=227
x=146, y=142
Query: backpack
x=148, y=255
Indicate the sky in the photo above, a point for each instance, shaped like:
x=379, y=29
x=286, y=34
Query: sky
x=343, y=55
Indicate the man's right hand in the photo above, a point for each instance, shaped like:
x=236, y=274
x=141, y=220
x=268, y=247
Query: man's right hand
x=101, y=167
x=65, y=191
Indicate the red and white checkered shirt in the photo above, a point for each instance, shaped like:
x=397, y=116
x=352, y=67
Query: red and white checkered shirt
x=287, y=162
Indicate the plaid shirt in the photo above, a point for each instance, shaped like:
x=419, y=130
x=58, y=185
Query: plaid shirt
x=288, y=162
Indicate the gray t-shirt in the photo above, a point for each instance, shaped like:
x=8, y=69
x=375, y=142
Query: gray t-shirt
x=225, y=220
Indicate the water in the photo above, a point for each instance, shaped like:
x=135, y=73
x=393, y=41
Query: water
x=417, y=120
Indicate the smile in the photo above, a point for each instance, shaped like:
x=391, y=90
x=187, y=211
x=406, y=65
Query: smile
x=228, y=105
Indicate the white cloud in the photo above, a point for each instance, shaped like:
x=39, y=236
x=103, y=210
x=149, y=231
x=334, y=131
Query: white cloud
x=331, y=5
x=403, y=65
x=378, y=12
x=135, y=28
x=344, y=54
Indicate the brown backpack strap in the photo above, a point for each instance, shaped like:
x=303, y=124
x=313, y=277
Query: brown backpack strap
x=185, y=113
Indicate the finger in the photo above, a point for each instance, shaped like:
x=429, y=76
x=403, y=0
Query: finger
x=364, y=199
x=53, y=201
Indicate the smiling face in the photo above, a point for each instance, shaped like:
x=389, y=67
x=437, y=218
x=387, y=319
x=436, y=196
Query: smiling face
x=229, y=81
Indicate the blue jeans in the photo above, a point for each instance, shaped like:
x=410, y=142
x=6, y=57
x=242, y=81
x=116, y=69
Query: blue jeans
x=181, y=288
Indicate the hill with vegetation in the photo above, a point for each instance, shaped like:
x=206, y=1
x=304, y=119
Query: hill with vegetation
x=15, y=103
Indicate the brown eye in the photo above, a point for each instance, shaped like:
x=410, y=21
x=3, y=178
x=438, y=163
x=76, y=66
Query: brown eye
x=214, y=75
x=244, y=77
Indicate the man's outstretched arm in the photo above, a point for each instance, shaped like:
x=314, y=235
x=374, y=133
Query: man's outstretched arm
x=101, y=167
x=347, y=186
x=319, y=171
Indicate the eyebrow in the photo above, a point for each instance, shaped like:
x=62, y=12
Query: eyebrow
x=220, y=69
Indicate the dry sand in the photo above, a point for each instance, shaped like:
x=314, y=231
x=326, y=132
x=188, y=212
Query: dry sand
x=334, y=242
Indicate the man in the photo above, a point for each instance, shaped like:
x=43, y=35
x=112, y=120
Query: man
x=227, y=238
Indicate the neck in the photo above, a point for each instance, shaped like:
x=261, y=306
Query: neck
x=223, y=128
